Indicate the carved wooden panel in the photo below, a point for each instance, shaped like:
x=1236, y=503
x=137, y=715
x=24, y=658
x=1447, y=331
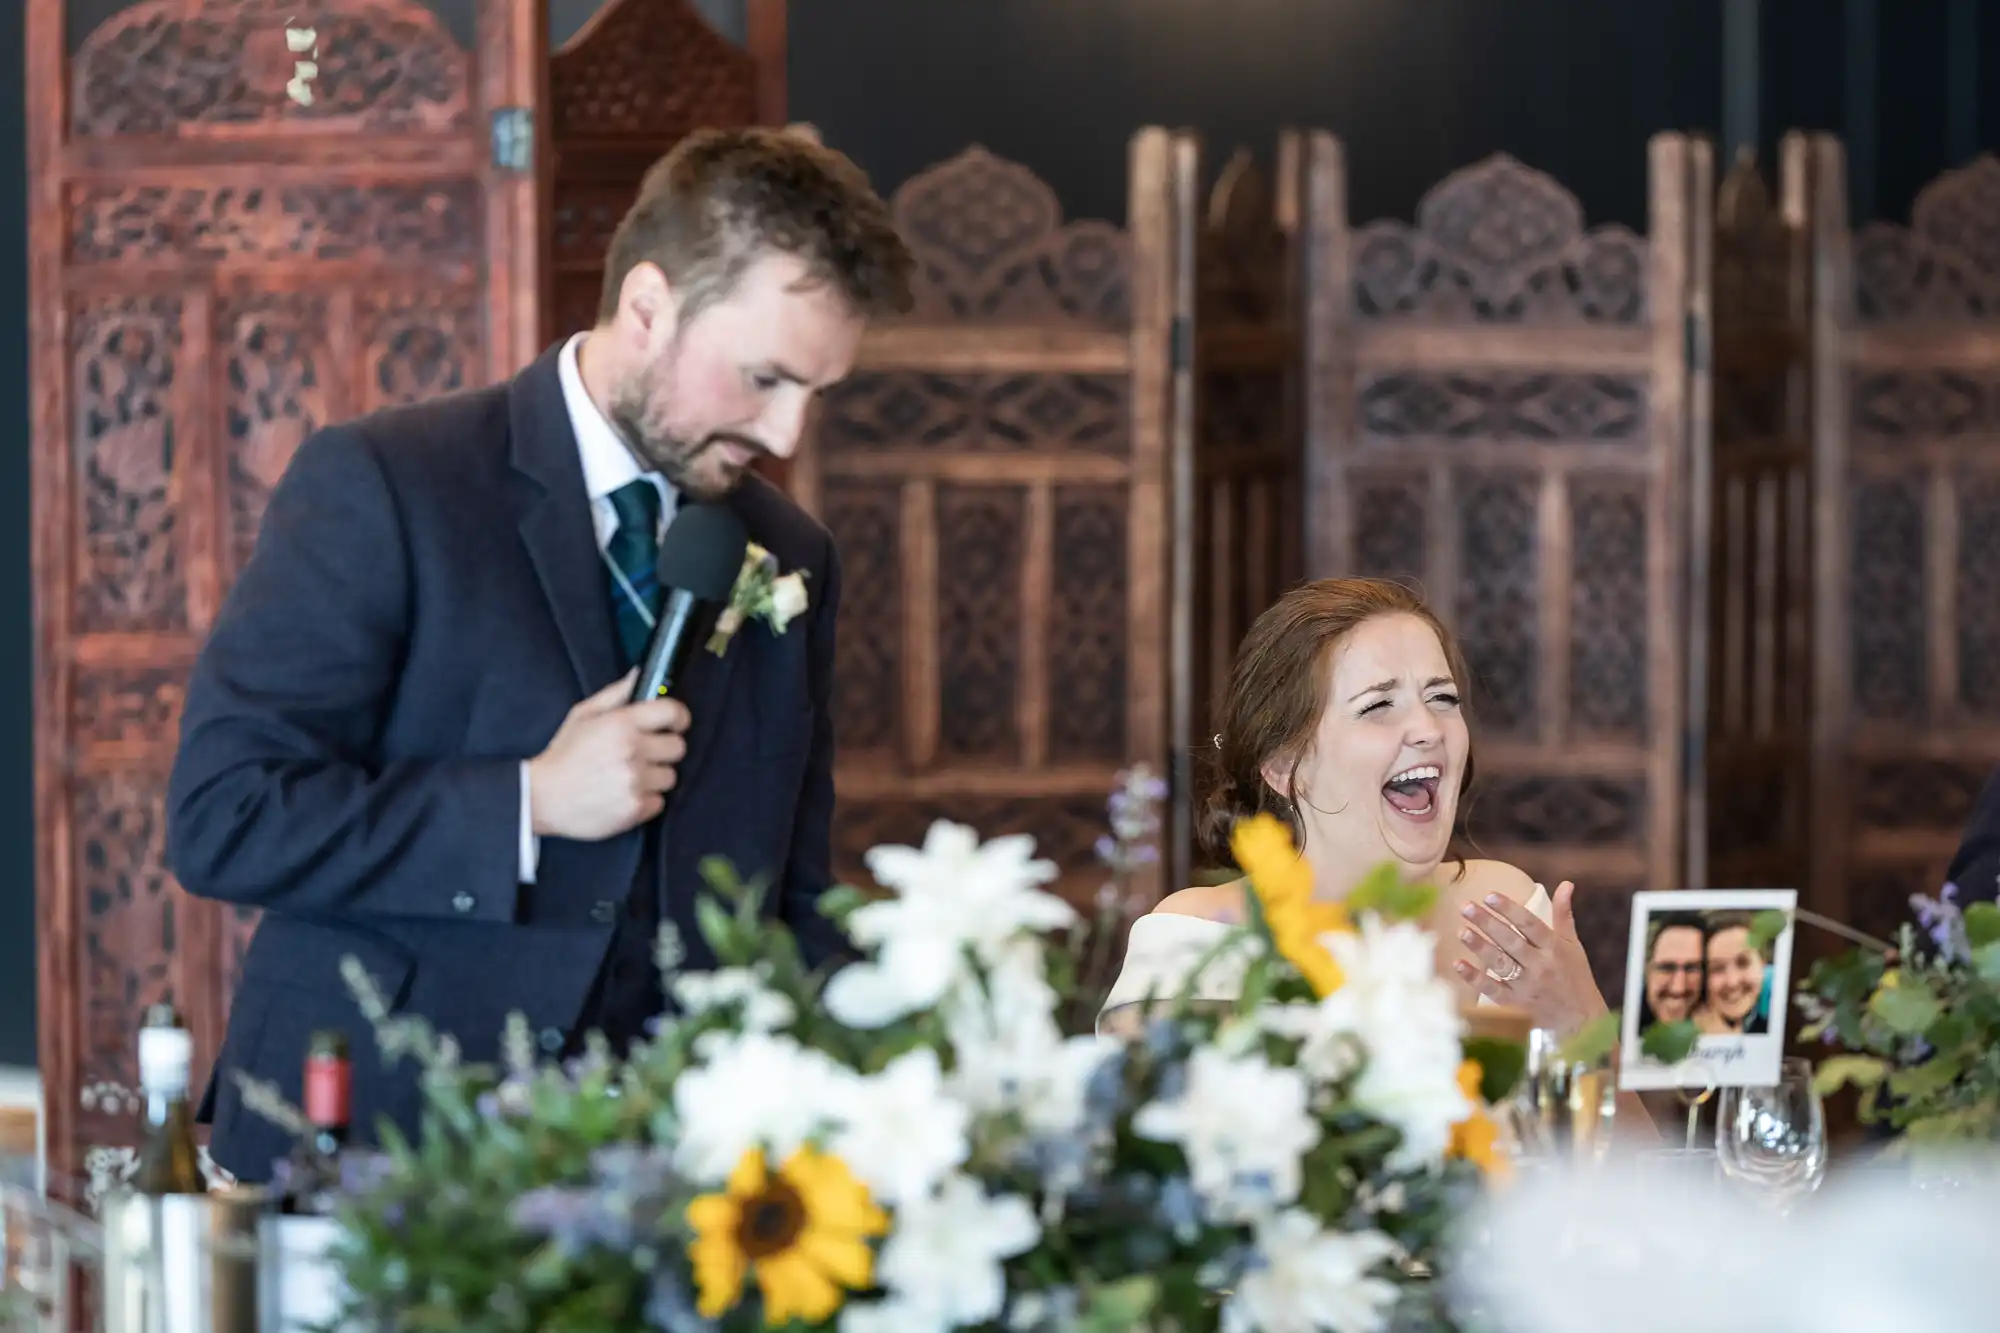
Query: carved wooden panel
x=221, y=70
x=1496, y=412
x=637, y=79
x=1907, y=585
x=995, y=474
x=1247, y=442
x=1750, y=809
x=219, y=268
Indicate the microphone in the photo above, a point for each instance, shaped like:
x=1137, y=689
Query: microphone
x=700, y=557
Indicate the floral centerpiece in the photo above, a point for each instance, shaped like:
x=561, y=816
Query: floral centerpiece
x=1918, y=1025
x=915, y=1144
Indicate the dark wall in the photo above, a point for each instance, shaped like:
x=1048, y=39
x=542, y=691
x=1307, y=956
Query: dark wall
x=1571, y=86
x=1415, y=89
x=17, y=822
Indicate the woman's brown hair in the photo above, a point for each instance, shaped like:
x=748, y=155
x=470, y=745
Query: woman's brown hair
x=1277, y=694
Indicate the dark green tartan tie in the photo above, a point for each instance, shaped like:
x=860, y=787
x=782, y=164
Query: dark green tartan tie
x=631, y=553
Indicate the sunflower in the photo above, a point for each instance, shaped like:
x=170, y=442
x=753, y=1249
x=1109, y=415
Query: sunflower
x=1282, y=881
x=803, y=1231
x=1476, y=1138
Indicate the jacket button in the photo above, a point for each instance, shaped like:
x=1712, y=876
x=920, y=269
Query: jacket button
x=604, y=911
x=552, y=1040
x=462, y=902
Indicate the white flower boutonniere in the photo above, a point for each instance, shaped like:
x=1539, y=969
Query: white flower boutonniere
x=763, y=593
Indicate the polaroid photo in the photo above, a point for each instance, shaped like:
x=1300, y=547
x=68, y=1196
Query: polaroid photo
x=1692, y=960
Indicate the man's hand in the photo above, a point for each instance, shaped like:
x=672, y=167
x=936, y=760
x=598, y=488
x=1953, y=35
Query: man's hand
x=609, y=766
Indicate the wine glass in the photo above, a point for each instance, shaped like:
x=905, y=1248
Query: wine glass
x=1772, y=1140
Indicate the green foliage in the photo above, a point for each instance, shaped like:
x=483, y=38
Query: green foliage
x=1669, y=1043
x=1119, y=1306
x=1765, y=928
x=1982, y=924
x=1501, y=1064
x=1917, y=1039
x=1593, y=1043
x=1843, y=1071
x=1387, y=894
x=446, y=1238
x=1905, y=1010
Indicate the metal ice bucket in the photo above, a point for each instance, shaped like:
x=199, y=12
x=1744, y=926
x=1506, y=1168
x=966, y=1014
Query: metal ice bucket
x=182, y=1263
x=298, y=1287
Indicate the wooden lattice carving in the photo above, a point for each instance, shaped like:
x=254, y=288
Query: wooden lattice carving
x=991, y=245
x=1915, y=723
x=1945, y=265
x=651, y=70
x=195, y=68
x=991, y=473
x=1490, y=420
x=288, y=283
x=1500, y=243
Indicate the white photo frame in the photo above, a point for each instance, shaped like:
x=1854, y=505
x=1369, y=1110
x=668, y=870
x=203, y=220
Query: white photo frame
x=1725, y=1059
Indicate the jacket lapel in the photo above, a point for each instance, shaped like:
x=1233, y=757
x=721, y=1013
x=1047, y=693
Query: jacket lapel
x=555, y=522
x=705, y=688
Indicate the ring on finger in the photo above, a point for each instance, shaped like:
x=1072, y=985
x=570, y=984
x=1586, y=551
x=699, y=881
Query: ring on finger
x=1510, y=971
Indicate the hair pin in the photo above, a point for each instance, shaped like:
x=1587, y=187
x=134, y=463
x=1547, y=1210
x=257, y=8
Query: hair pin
x=1217, y=742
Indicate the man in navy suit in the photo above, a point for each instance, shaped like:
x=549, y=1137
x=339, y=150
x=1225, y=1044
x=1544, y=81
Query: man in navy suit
x=408, y=738
x=1976, y=867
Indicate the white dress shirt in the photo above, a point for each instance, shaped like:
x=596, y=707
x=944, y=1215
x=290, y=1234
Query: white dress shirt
x=607, y=465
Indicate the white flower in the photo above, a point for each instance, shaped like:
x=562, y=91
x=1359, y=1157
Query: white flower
x=755, y=1091
x=1009, y=1054
x=941, y=1267
x=788, y=600
x=763, y=1009
x=954, y=896
x=1243, y=1125
x=1403, y=1023
x=900, y=1134
x=1012, y=1011
x=1309, y=1280
x=889, y=1316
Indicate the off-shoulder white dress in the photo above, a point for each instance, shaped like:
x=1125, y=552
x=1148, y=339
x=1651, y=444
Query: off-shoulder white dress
x=1164, y=949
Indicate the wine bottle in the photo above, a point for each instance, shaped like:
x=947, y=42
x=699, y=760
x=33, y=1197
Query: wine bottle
x=168, y=1163
x=313, y=1182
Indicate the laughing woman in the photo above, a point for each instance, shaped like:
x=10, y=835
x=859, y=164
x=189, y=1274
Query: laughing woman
x=1345, y=719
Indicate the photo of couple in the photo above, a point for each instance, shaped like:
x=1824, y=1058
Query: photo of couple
x=1703, y=966
x=1699, y=958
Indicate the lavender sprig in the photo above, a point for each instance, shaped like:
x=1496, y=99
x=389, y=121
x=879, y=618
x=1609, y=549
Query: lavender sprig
x=1132, y=844
x=1944, y=923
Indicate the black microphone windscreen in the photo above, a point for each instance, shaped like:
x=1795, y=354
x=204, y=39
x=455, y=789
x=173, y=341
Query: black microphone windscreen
x=702, y=551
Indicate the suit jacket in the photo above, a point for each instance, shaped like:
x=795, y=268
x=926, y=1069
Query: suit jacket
x=425, y=603
x=1976, y=867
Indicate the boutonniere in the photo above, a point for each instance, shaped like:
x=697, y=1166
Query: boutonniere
x=761, y=592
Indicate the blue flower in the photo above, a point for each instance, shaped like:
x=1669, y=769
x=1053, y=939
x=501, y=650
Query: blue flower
x=363, y=1172
x=1134, y=808
x=1057, y=1307
x=1104, y=1090
x=1944, y=923
x=573, y=1218
x=1180, y=1209
x=669, y=1308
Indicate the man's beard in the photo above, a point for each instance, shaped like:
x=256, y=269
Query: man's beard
x=696, y=469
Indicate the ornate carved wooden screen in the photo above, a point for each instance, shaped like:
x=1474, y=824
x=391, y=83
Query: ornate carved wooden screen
x=1910, y=645
x=995, y=473
x=1247, y=507
x=631, y=84
x=1499, y=415
x=1751, y=538
x=217, y=269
